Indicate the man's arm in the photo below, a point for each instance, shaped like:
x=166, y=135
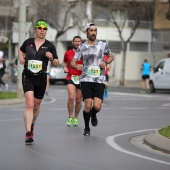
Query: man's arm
x=55, y=62
x=64, y=64
x=109, y=60
x=74, y=65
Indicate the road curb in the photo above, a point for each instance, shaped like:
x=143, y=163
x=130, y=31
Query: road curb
x=157, y=142
x=11, y=101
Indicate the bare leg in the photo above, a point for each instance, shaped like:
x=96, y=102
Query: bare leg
x=147, y=84
x=28, y=114
x=70, y=102
x=143, y=84
x=78, y=102
x=36, y=109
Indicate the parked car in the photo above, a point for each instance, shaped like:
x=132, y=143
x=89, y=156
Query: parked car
x=57, y=74
x=160, y=76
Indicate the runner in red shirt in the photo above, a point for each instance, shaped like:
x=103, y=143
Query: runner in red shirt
x=107, y=68
x=73, y=84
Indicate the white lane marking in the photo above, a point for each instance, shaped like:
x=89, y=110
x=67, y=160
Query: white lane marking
x=9, y=120
x=167, y=104
x=52, y=100
x=133, y=108
x=111, y=141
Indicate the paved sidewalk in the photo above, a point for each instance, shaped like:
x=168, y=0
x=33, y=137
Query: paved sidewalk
x=158, y=142
x=11, y=101
x=128, y=84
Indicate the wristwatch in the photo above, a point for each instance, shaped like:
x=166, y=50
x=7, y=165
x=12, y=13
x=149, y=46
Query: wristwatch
x=106, y=62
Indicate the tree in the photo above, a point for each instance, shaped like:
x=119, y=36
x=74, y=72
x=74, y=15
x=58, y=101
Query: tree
x=136, y=11
x=59, y=14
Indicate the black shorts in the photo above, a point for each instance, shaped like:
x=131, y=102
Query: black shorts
x=91, y=90
x=36, y=83
x=71, y=82
x=144, y=77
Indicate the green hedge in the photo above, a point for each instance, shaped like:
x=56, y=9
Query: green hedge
x=165, y=131
x=8, y=95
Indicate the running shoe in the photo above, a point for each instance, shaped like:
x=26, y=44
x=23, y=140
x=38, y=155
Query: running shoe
x=75, y=122
x=69, y=121
x=28, y=137
x=94, y=120
x=86, y=132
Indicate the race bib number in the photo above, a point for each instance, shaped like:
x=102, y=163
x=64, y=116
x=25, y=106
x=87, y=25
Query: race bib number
x=94, y=71
x=75, y=79
x=34, y=65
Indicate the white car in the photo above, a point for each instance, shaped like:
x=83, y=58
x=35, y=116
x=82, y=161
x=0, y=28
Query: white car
x=160, y=76
x=57, y=74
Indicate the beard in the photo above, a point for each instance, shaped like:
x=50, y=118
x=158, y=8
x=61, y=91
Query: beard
x=92, y=38
x=75, y=47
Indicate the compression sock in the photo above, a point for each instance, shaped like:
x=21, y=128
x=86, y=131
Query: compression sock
x=86, y=116
x=93, y=111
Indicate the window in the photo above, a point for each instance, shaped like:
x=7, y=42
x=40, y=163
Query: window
x=159, y=67
x=139, y=46
x=115, y=46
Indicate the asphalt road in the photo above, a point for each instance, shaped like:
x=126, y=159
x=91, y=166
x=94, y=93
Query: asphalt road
x=125, y=116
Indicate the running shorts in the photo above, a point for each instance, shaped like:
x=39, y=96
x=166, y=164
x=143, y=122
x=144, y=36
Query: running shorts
x=91, y=90
x=144, y=77
x=35, y=83
x=71, y=82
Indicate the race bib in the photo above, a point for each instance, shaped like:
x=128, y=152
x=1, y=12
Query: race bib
x=94, y=71
x=34, y=65
x=75, y=79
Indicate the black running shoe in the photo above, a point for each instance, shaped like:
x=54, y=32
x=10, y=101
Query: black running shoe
x=94, y=120
x=28, y=137
x=86, y=132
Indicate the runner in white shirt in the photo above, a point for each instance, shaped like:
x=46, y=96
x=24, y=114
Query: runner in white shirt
x=92, y=78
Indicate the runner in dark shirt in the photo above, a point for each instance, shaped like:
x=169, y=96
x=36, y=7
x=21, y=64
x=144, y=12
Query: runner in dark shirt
x=34, y=54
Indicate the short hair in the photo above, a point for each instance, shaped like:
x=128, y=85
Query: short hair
x=77, y=37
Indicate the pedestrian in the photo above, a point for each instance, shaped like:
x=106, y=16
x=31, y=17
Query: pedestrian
x=92, y=78
x=2, y=70
x=145, y=71
x=34, y=54
x=107, y=68
x=73, y=83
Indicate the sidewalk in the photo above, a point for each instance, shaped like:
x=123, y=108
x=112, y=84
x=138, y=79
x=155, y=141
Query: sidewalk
x=11, y=101
x=128, y=84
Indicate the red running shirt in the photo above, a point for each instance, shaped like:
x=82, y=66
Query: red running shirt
x=106, y=68
x=68, y=56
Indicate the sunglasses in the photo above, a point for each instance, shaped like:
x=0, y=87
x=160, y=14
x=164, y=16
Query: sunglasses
x=41, y=28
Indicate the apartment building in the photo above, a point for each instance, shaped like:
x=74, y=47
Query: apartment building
x=145, y=43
